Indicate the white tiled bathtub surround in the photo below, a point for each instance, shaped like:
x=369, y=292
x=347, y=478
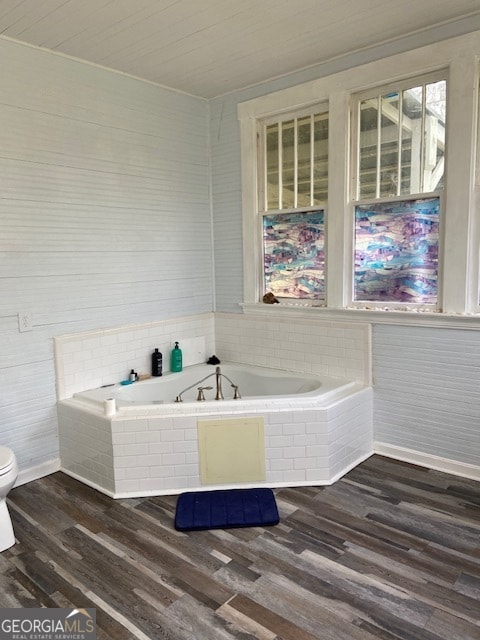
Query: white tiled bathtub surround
x=153, y=451
x=95, y=358
x=158, y=454
x=338, y=349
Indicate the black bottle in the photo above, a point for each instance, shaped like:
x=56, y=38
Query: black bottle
x=156, y=363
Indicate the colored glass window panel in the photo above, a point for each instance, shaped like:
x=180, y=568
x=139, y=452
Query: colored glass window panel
x=294, y=254
x=396, y=251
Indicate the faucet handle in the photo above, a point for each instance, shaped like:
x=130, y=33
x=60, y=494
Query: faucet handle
x=201, y=395
x=236, y=392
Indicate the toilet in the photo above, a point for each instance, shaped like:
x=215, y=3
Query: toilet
x=8, y=476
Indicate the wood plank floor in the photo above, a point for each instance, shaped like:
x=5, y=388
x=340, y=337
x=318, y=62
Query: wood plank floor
x=390, y=551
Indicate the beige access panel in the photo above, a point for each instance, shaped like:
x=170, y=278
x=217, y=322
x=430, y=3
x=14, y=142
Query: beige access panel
x=231, y=450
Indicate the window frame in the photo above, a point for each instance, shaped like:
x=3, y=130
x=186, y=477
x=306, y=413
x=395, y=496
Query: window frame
x=398, y=87
x=262, y=212
x=262, y=124
x=460, y=56
x=356, y=99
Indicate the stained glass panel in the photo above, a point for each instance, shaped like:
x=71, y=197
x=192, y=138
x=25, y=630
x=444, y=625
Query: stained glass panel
x=294, y=254
x=396, y=251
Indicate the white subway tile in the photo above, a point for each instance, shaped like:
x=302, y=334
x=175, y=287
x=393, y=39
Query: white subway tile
x=294, y=429
x=185, y=470
x=317, y=475
x=173, y=458
x=127, y=486
x=173, y=435
x=304, y=440
x=303, y=463
x=162, y=471
x=185, y=447
x=281, y=464
x=281, y=441
x=123, y=462
x=294, y=475
x=160, y=447
x=294, y=452
x=274, y=429
x=137, y=472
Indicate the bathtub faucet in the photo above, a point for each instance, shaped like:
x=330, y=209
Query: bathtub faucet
x=218, y=377
x=219, y=394
x=179, y=397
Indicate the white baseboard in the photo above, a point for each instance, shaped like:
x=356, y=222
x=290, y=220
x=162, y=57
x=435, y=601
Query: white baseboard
x=39, y=471
x=89, y=483
x=426, y=460
x=446, y=465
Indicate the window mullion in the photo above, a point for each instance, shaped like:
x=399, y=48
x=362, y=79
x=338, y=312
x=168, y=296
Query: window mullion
x=264, y=182
x=400, y=135
x=379, y=146
x=422, y=138
x=295, y=163
x=280, y=166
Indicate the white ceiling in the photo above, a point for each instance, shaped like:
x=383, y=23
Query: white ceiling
x=210, y=47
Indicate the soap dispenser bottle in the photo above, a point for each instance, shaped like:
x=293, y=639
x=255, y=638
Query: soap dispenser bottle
x=176, y=358
x=156, y=363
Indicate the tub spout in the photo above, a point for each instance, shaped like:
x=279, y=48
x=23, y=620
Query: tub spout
x=218, y=376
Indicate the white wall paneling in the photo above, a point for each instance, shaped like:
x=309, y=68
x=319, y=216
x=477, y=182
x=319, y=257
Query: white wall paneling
x=104, y=220
x=427, y=391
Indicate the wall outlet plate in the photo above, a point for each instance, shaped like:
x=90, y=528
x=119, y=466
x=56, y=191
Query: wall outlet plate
x=25, y=322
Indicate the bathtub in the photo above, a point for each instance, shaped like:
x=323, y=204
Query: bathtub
x=313, y=428
x=258, y=386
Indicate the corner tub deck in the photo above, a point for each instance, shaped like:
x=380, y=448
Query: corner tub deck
x=315, y=430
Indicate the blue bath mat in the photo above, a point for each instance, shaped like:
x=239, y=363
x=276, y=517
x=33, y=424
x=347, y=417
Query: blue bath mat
x=226, y=508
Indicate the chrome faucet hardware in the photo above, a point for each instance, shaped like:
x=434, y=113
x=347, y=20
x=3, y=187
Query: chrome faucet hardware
x=218, y=394
x=179, y=397
x=218, y=377
x=201, y=395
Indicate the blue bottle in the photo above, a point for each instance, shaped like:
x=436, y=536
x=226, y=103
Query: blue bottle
x=176, y=364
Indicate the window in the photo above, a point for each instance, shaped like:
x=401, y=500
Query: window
x=399, y=151
x=293, y=181
x=401, y=140
x=400, y=220
x=295, y=162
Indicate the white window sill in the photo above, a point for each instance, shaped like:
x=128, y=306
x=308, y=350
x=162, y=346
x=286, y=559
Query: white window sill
x=374, y=316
